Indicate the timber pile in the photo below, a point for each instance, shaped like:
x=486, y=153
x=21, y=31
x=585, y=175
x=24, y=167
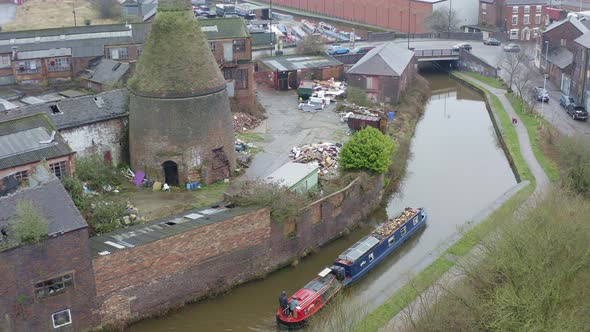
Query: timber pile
x=391, y=225
x=325, y=154
x=243, y=122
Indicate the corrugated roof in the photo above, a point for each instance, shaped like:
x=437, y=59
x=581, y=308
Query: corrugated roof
x=297, y=62
x=223, y=28
x=77, y=111
x=20, y=137
x=53, y=52
x=561, y=57
x=291, y=173
x=108, y=71
x=51, y=199
x=389, y=59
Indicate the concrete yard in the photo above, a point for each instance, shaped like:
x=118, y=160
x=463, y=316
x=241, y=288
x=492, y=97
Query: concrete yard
x=287, y=127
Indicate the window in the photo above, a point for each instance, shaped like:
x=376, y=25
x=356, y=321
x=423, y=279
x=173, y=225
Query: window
x=403, y=231
x=29, y=67
x=22, y=176
x=539, y=9
x=513, y=34
x=416, y=221
x=527, y=9
x=240, y=76
x=58, y=64
x=212, y=46
x=391, y=240
x=515, y=9
x=563, y=42
x=484, y=6
x=239, y=45
x=5, y=61
x=370, y=83
x=119, y=53
x=514, y=19
x=61, y=318
x=526, y=19
x=138, y=52
x=371, y=257
x=53, y=286
x=538, y=19
x=59, y=169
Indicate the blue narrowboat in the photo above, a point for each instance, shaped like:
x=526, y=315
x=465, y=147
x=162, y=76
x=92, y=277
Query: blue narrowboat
x=364, y=255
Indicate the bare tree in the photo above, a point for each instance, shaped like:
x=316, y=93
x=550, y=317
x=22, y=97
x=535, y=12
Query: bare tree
x=442, y=20
x=513, y=64
x=312, y=44
x=523, y=82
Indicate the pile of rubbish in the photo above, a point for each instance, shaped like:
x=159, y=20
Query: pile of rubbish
x=391, y=225
x=244, y=158
x=326, y=154
x=329, y=90
x=346, y=110
x=243, y=122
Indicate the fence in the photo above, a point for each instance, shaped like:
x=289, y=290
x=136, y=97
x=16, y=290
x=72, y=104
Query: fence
x=436, y=53
x=442, y=35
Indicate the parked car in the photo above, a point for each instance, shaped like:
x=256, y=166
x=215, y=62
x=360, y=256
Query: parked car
x=492, y=41
x=362, y=49
x=541, y=94
x=512, y=48
x=565, y=101
x=338, y=50
x=577, y=112
x=464, y=46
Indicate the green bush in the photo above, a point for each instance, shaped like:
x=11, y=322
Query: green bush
x=76, y=191
x=358, y=96
x=107, y=216
x=368, y=150
x=311, y=45
x=96, y=172
x=575, y=160
x=28, y=225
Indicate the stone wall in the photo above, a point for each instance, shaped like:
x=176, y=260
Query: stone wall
x=153, y=277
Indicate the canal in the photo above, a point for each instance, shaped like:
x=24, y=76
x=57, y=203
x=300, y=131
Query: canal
x=456, y=170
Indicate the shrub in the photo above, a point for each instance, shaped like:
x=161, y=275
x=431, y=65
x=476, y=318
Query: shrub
x=108, y=8
x=311, y=45
x=368, y=150
x=96, y=172
x=107, y=216
x=357, y=96
x=283, y=202
x=575, y=160
x=76, y=191
x=28, y=225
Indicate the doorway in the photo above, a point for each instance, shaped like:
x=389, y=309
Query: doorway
x=170, y=173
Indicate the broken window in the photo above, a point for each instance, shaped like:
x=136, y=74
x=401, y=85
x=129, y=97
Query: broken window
x=219, y=158
x=240, y=76
x=119, y=53
x=55, y=109
x=54, y=286
x=59, y=169
x=61, y=318
x=29, y=67
x=22, y=177
x=239, y=45
x=58, y=64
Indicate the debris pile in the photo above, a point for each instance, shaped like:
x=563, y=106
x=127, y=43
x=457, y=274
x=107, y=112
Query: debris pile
x=326, y=154
x=391, y=225
x=243, y=122
x=346, y=109
x=329, y=90
x=243, y=149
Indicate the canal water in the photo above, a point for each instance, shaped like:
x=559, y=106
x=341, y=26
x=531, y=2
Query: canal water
x=456, y=170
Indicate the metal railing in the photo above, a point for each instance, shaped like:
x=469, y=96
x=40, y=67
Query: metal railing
x=436, y=53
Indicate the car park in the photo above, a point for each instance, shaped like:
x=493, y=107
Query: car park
x=541, y=94
x=577, y=112
x=512, y=48
x=565, y=101
x=462, y=46
x=492, y=41
x=338, y=50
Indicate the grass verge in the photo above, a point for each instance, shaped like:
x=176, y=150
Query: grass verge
x=491, y=81
x=533, y=123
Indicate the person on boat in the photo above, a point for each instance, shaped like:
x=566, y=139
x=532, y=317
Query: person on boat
x=293, y=305
x=284, y=302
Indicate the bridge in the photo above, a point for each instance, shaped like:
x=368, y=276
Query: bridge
x=437, y=54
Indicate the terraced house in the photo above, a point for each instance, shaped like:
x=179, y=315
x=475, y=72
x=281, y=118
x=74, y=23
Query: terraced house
x=517, y=19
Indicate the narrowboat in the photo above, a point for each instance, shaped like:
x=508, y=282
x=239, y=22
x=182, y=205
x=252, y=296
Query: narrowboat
x=326, y=26
x=308, y=26
x=282, y=28
x=350, y=266
x=310, y=299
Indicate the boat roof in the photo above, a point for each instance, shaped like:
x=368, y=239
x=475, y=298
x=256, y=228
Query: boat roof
x=358, y=249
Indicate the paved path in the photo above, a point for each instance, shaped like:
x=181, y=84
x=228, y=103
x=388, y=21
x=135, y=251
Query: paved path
x=448, y=280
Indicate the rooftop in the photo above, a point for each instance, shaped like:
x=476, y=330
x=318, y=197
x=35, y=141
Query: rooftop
x=108, y=71
x=526, y=2
x=561, y=57
x=49, y=196
x=224, y=28
x=30, y=139
x=158, y=229
x=571, y=19
x=78, y=111
x=291, y=173
x=297, y=62
x=389, y=59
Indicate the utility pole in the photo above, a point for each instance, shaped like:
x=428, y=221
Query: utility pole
x=409, y=20
x=74, y=11
x=450, y=13
x=270, y=28
x=544, y=75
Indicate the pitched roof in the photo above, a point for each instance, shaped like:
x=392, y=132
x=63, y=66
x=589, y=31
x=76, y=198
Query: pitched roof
x=573, y=20
x=389, y=59
x=50, y=198
x=176, y=60
x=108, y=71
x=223, y=28
x=21, y=141
x=561, y=57
x=77, y=111
x=584, y=40
x=297, y=62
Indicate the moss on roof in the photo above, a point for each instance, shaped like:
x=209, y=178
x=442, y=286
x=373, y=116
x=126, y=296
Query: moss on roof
x=176, y=59
x=225, y=27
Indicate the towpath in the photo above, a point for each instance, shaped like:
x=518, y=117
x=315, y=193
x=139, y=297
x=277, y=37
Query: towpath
x=429, y=297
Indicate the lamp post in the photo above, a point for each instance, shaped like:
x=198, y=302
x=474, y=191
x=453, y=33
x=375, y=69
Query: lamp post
x=545, y=75
x=74, y=11
x=409, y=20
x=270, y=28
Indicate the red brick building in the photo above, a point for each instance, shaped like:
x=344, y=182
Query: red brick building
x=517, y=19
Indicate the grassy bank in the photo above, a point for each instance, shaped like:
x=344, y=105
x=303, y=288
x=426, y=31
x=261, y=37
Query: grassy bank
x=491, y=81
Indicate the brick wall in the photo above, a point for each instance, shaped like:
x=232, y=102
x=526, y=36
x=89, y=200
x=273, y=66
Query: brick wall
x=156, y=276
x=471, y=63
x=22, y=267
x=100, y=137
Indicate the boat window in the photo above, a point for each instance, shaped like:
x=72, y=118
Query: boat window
x=371, y=257
x=391, y=240
x=317, y=283
x=403, y=230
x=415, y=221
x=363, y=263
